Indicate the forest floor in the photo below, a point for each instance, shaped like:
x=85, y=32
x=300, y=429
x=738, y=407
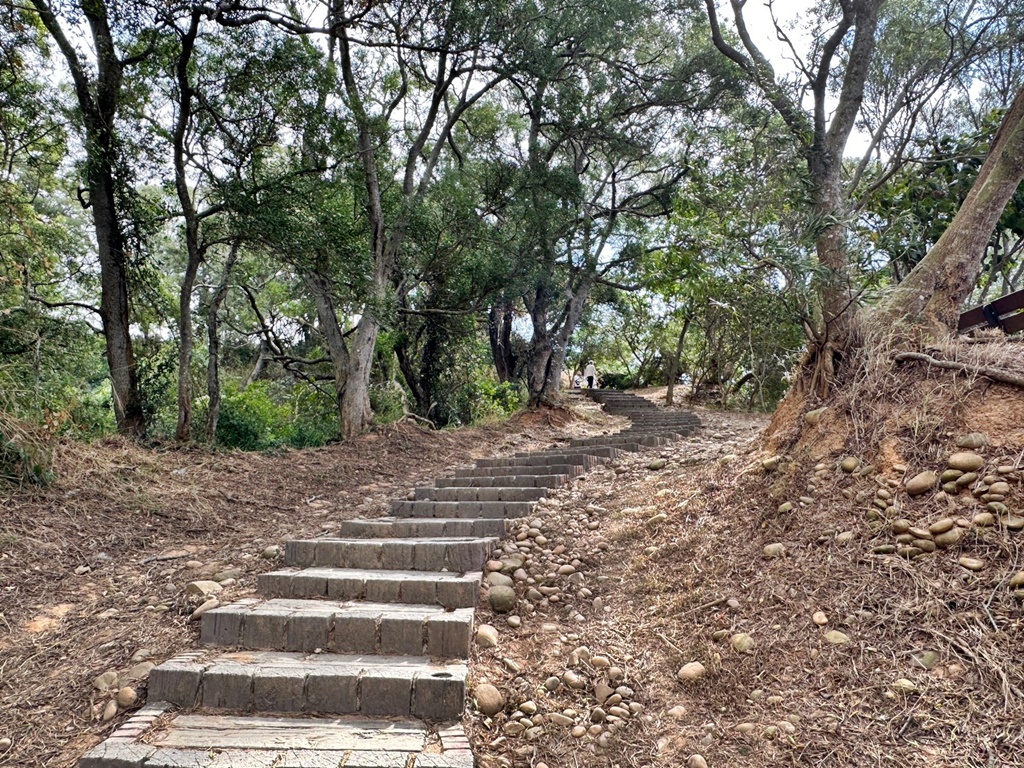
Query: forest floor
x=809, y=633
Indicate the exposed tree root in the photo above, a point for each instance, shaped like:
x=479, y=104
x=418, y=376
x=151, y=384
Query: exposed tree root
x=996, y=374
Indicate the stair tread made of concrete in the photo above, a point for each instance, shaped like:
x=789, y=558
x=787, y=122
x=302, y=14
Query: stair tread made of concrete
x=444, y=588
x=462, y=509
x=550, y=469
x=428, y=527
x=289, y=624
x=344, y=684
x=517, y=481
x=493, y=493
x=258, y=741
x=463, y=553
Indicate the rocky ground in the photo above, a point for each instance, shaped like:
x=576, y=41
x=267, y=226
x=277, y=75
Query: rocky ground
x=720, y=603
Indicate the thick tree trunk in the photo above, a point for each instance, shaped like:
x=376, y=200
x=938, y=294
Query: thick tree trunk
x=356, y=414
x=114, y=309
x=499, y=333
x=98, y=99
x=932, y=294
x=186, y=342
x=548, y=347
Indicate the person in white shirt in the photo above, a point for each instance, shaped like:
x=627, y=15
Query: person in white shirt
x=590, y=374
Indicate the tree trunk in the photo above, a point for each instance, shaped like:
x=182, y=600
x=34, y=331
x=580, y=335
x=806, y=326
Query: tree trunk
x=499, y=333
x=356, y=414
x=98, y=99
x=673, y=368
x=193, y=251
x=114, y=308
x=213, y=342
x=932, y=294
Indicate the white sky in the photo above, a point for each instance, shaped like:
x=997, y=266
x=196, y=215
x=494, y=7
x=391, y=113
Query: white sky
x=762, y=30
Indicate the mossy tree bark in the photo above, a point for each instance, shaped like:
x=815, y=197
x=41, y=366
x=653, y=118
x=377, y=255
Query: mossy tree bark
x=930, y=298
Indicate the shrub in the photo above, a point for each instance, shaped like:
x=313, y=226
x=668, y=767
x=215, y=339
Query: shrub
x=250, y=420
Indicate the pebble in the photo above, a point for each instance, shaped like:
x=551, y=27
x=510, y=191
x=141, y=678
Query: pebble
x=202, y=588
x=775, y=550
x=904, y=685
x=965, y=461
x=207, y=605
x=678, y=712
x=836, y=637
x=106, y=680
x=742, y=642
x=657, y=464
x=696, y=761
x=572, y=680
x=486, y=636
x=109, y=711
x=926, y=659
x=138, y=672
x=488, y=699
x=602, y=691
x=941, y=526
x=849, y=464
x=514, y=621
x=127, y=696
x=972, y=440
x=501, y=599
x=498, y=579
x=971, y=563
x=820, y=618
x=949, y=538
x=5, y=744
x=1017, y=580
x=921, y=483
x=579, y=732
x=691, y=672
x=560, y=719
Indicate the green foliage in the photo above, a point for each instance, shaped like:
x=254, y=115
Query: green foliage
x=267, y=416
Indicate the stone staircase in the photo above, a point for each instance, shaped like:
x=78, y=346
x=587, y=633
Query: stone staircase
x=355, y=655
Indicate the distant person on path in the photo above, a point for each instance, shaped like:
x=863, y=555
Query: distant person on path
x=590, y=373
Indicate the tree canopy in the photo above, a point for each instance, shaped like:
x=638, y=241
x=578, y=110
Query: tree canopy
x=288, y=221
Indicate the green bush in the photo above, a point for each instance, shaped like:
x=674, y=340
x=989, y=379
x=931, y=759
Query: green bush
x=250, y=420
x=616, y=381
x=268, y=415
x=315, y=419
